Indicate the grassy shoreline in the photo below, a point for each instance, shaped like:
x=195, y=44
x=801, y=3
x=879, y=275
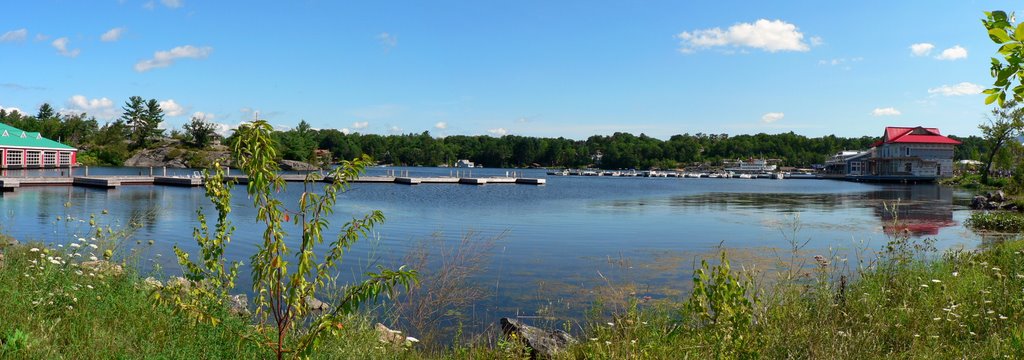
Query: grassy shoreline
x=905, y=304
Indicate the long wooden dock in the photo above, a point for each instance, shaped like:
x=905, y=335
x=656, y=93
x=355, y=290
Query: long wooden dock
x=113, y=182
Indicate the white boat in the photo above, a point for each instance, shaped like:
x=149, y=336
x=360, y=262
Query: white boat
x=746, y=176
x=751, y=166
x=562, y=172
x=463, y=163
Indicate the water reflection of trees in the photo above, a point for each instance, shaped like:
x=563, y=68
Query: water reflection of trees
x=920, y=209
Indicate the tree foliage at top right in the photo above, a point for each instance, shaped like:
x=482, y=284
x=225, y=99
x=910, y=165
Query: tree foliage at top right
x=1008, y=72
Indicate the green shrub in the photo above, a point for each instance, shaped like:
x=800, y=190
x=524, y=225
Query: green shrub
x=999, y=221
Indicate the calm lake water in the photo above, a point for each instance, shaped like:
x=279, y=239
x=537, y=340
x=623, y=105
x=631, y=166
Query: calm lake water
x=558, y=243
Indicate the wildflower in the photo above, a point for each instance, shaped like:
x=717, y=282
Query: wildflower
x=611, y=324
x=593, y=339
x=412, y=339
x=936, y=281
x=35, y=302
x=54, y=261
x=78, y=272
x=955, y=274
x=924, y=285
x=75, y=245
x=70, y=307
x=607, y=342
x=34, y=249
x=632, y=342
x=89, y=286
x=93, y=258
x=990, y=312
x=917, y=336
x=81, y=239
x=93, y=246
x=973, y=333
x=1001, y=317
x=936, y=319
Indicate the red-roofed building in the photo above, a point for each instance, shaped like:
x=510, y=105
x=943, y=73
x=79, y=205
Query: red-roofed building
x=913, y=152
x=903, y=154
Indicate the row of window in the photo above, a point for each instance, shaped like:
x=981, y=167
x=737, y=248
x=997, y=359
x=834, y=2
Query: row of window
x=37, y=158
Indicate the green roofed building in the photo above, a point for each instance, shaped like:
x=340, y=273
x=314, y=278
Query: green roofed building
x=29, y=150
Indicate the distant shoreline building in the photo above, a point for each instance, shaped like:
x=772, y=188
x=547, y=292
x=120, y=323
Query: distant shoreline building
x=915, y=154
x=20, y=149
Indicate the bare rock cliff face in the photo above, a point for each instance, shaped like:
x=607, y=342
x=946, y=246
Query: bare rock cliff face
x=178, y=158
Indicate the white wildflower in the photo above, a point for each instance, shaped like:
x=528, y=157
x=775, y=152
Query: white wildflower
x=1001, y=317
x=93, y=246
x=93, y=258
x=936, y=281
x=924, y=285
x=75, y=245
x=412, y=339
x=89, y=286
x=55, y=261
x=611, y=324
x=955, y=274
x=936, y=319
x=34, y=249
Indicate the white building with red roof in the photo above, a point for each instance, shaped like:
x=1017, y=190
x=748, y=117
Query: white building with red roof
x=914, y=152
x=903, y=154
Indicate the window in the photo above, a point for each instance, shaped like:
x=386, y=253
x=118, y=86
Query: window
x=908, y=150
x=65, y=158
x=14, y=157
x=907, y=167
x=938, y=169
x=50, y=158
x=32, y=158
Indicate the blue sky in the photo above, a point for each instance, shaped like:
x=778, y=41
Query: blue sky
x=537, y=68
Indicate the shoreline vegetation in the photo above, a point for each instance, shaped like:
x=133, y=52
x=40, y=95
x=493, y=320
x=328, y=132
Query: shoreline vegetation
x=905, y=300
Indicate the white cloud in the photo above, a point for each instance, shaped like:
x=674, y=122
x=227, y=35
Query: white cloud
x=387, y=40
x=172, y=108
x=771, y=117
x=441, y=125
x=166, y=58
x=953, y=53
x=14, y=35
x=345, y=131
x=61, y=44
x=204, y=116
x=498, y=131
x=42, y=37
x=395, y=130
x=817, y=41
x=11, y=109
x=921, y=49
x=964, y=88
x=767, y=35
x=112, y=34
x=173, y=4
x=101, y=108
x=888, y=111
x=359, y=125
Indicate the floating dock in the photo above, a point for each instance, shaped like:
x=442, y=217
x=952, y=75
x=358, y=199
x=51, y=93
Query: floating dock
x=112, y=182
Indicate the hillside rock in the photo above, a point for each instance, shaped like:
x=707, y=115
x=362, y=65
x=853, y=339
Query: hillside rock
x=173, y=157
x=292, y=165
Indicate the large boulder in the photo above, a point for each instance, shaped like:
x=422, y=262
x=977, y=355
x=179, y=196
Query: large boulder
x=543, y=343
x=6, y=241
x=158, y=157
x=292, y=165
x=979, y=202
x=997, y=196
x=239, y=305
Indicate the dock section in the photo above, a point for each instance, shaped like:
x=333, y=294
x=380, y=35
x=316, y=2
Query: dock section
x=112, y=182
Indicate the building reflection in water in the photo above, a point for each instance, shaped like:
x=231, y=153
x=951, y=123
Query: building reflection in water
x=921, y=210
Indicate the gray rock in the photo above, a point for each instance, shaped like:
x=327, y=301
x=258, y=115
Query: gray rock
x=979, y=202
x=543, y=343
x=997, y=196
x=103, y=267
x=316, y=305
x=239, y=305
x=388, y=336
x=992, y=205
x=6, y=241
x=292, y=165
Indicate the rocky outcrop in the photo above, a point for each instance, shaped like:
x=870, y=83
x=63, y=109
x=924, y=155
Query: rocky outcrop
x=292, y=165
x=174, y=157
x=994, y=200
x=543, y=344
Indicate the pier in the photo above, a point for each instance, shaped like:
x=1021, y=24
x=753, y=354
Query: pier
x=8, y=184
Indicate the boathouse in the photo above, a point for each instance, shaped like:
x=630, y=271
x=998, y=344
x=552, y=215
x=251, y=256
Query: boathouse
x=21, y=149
x=903, y=154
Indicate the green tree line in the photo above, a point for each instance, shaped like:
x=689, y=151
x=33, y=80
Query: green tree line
x=114, y=142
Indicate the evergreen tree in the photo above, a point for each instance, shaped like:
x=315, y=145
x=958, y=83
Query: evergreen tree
x=45, y=112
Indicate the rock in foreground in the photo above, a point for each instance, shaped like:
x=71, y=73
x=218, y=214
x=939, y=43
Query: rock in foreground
x=544, y=344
